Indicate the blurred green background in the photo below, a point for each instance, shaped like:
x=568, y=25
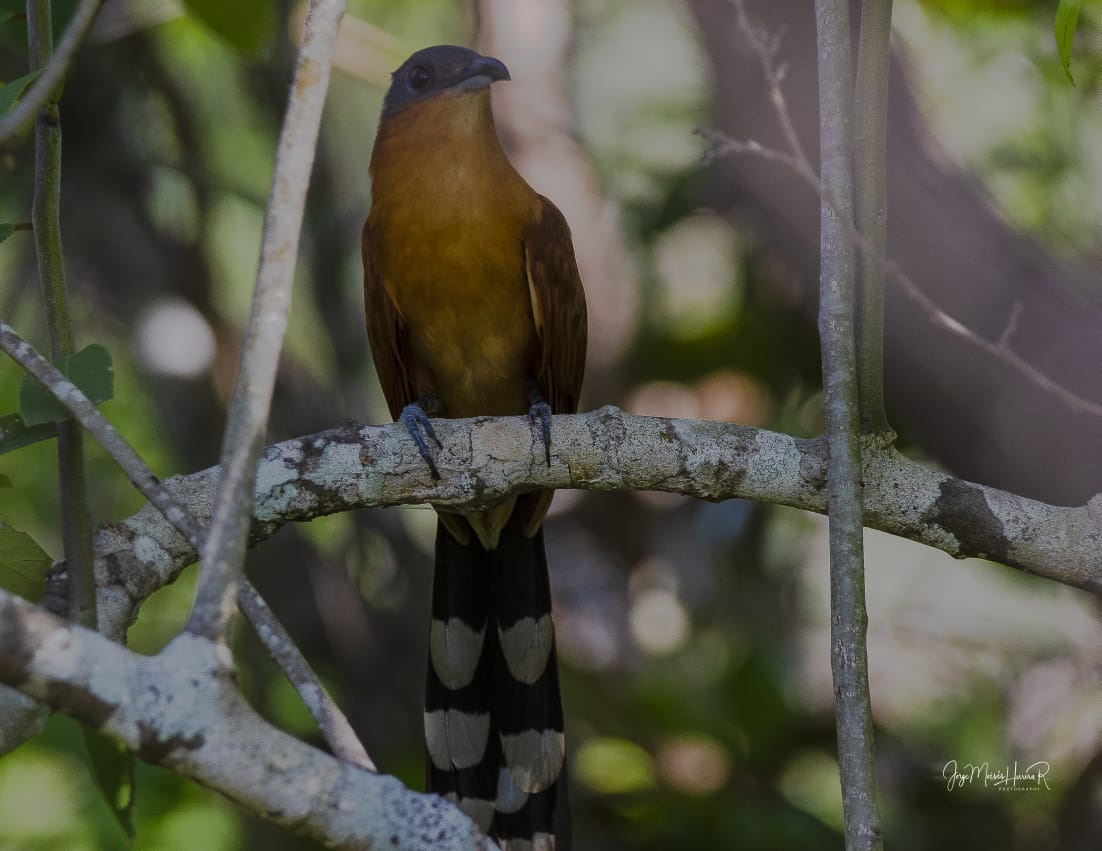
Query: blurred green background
x=693, y=637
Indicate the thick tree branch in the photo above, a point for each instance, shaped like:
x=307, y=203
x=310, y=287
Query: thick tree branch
x=359, y=466
x=21, y=718
x=182, y=709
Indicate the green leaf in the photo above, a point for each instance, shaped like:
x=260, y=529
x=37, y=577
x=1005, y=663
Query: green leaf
x=89, y=369
x=5, y=482
x=6, y=230
x=13, y=91
x=249, y=25
x=1067, y=18
x=113, y=769
x=15, y=434
x=23, y=563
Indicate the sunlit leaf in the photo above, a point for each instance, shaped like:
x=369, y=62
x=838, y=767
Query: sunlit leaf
x=11, y=92
x=113, y=769
x=249, y=25
x=1067, y=17
x=23, y=563
x=89, y=369
x=15, y=434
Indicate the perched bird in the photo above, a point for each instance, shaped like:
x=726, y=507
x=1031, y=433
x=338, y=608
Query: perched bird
x=475, y=307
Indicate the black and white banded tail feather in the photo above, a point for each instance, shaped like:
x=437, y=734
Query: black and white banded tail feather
x=493, y=714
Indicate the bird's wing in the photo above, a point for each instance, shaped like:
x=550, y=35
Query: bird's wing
x=558, y=307
x=386, y=333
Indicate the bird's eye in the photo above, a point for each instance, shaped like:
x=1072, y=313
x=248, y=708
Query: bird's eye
x=419, y=77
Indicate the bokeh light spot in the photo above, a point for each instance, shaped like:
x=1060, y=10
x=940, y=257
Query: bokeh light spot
x=695, y=765
x=174, y=339
x=613, y=766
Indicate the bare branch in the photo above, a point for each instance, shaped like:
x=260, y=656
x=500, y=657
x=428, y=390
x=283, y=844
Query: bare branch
x=720, y=144
x=334, y=725
x=486, y=459
x=849, y=664
x=766, y=47
x=802, y=167
x=224, y=548
x=870, y=133
x=181, y=709
x=1011, y=326
x=21, y=718
x=76, y=524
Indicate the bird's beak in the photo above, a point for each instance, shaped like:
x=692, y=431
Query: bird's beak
x=481, y=72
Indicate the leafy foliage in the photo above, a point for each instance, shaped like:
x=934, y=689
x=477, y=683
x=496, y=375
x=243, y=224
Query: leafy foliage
x=23, y=563
x=113, y=770
x=9, y=95
x=90, y=369
x=15, y=433
x=1067, y=18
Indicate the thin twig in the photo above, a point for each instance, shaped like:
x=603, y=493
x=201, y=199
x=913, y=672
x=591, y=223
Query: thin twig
x=1011, y=326
x=871, y=205
x=42, y=89
x=332, y=723
x=845, y=488
x=720, y=144
x=766, y=46
x=76, y=525
x=802, y=167
x=224, y=550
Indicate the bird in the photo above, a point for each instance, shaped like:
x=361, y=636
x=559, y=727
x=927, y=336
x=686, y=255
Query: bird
x=475, y=307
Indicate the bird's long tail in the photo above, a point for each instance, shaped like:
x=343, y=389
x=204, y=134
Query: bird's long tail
x=493, y=714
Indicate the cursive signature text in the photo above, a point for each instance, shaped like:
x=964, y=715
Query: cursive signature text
x=1029, y=779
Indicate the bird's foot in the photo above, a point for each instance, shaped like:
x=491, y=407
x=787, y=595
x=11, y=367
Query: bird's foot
x=540, y=414
x=417, y=423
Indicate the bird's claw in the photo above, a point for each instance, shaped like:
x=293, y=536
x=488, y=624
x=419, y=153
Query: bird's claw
x=540, y=413
x=417, y=423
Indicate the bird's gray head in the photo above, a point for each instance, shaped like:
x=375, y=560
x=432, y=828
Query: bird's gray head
x=443, y=68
